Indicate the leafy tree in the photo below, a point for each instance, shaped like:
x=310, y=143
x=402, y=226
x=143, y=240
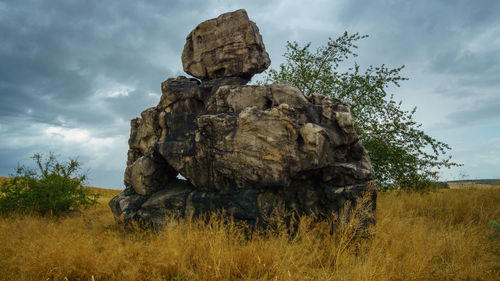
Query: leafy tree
x=51, y=189
x=403, y=156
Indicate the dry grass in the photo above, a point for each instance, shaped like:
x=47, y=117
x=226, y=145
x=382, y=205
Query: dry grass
x=435, y=236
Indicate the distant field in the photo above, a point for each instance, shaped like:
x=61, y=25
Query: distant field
x=441, y=235
x=472, y=184
x=478, y=181
x=455, y=185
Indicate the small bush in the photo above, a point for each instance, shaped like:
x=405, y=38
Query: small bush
x=440, y=185
x=495, y=226
x=52, y=188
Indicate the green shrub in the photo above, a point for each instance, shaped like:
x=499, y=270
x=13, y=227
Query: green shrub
x=440, y=185
x=495, y=226
x=52, y=188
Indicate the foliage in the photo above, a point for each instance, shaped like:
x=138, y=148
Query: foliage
x=51, y=189
x=440, y=184
x=495, y=226
x=403, y=156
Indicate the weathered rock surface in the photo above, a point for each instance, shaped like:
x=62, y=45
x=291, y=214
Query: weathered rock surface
x=249, y=150
x=227, y=46
x=246, y=149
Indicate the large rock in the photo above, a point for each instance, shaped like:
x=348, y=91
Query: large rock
x=227, y=46
x=256, y=137
x=248, y=150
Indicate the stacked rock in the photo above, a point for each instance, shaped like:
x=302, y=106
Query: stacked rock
x=248, y=150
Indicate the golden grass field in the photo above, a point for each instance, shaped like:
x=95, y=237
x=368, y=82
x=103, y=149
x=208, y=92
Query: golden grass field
x=440, y=235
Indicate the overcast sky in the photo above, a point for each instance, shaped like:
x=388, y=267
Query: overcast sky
x=73, y=73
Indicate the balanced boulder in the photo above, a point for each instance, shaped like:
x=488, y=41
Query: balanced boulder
x=248, y=150
x=227, y=46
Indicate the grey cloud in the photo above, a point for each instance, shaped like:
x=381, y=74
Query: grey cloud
x=467, y=75
x=466, y=62
x=405, y=31
x=51, y=59
x=483, y=111
x=127, y=106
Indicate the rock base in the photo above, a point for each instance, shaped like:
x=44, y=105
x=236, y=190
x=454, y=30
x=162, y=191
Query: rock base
x=180, y=199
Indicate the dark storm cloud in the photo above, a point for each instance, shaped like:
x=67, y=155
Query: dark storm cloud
x=53, y=52
x=411, y=30
x=56, y=55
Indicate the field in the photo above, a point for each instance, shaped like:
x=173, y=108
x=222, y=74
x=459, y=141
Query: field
x=440, y=235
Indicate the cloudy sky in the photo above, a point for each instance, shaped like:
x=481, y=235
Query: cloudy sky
x=73, y=73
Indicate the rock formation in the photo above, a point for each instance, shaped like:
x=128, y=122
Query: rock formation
x=249, y=150
x=227, y=46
